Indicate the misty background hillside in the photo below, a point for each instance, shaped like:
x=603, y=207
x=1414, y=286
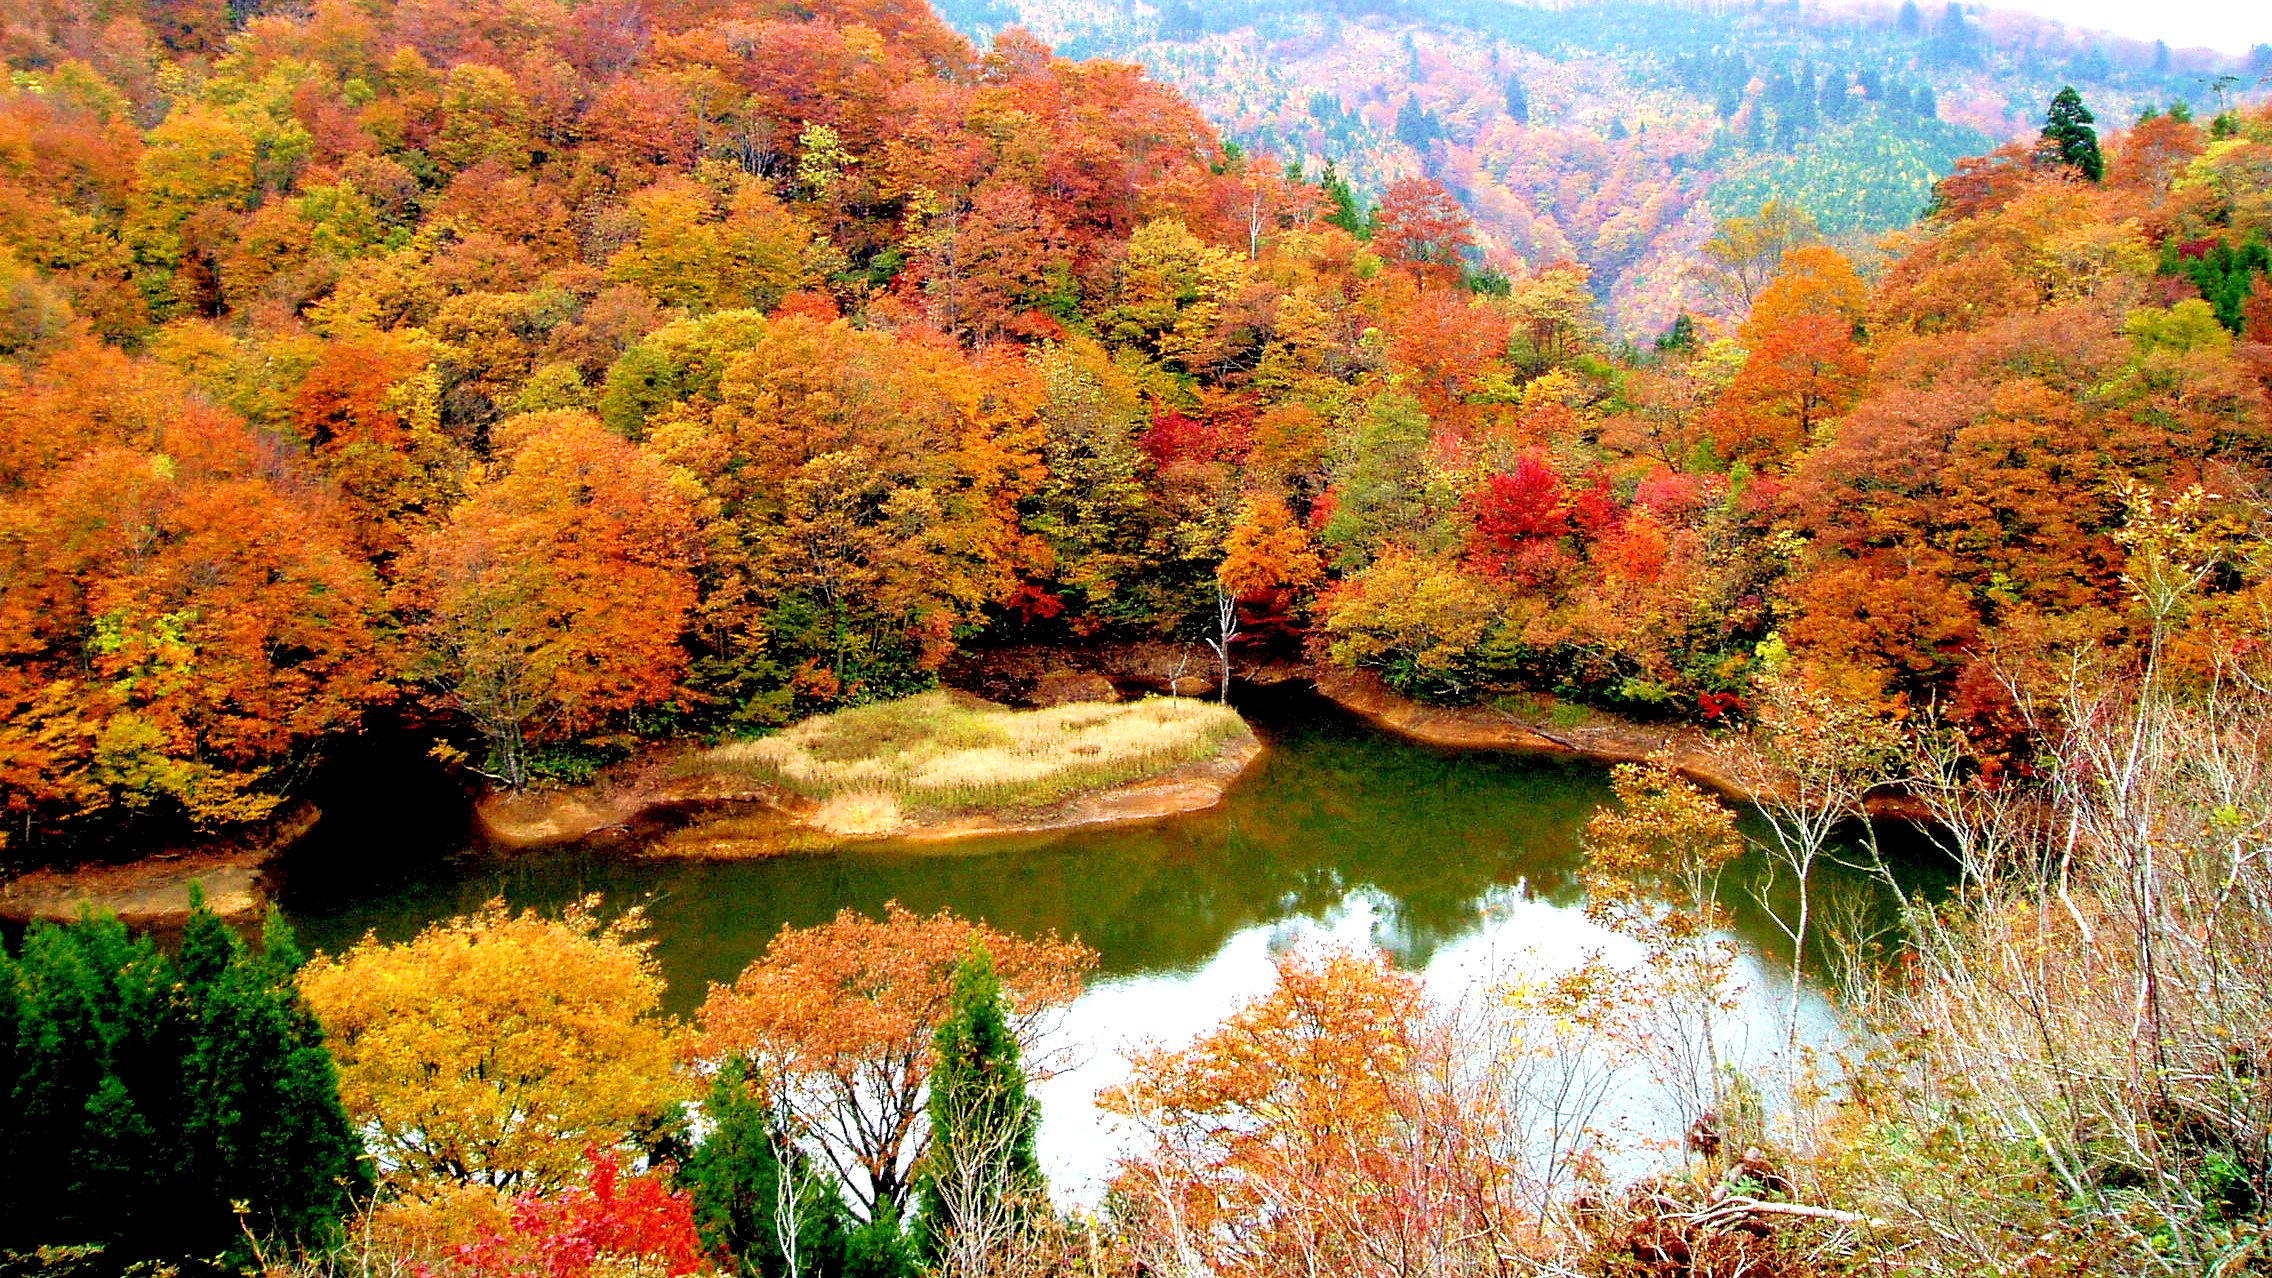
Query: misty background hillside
x=1613, y=134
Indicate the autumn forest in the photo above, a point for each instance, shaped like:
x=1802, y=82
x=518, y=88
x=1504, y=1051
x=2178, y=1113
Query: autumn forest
x=551, y=383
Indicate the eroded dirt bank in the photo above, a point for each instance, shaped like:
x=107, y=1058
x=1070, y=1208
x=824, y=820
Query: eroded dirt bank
x=156, y=889
x=1027, y=675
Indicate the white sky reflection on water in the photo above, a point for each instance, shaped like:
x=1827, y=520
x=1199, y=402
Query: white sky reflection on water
x=1515, y=936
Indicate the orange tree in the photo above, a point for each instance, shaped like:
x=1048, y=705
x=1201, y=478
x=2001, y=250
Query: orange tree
x=180, y=611
x=839, y=1020
x=1326, y=1127
x=555, y=595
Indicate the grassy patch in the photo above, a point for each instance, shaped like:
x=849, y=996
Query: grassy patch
x=938, y=755
x=1569, y=714
x=1533, y=707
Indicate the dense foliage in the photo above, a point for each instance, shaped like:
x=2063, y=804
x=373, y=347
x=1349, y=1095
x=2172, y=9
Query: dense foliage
x=555, y=377
x=1616, y=133
x=499, y=1050
x=166, y=1106
x=560, y=384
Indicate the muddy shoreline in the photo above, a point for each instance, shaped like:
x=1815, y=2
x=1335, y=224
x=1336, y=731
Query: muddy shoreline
x=1016, y=673
x=155, y=890
x=656, y=787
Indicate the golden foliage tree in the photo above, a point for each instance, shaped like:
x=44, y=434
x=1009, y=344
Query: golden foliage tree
x=494, y=1049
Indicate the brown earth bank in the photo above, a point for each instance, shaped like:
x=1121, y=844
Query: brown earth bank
x=656, y=789
x=1024, y=674
x=156, y=889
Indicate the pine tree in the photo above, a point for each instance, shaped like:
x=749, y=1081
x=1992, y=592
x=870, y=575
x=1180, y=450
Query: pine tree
x=1348, y=213
x=981, y=1168
x=1680, y=338
x=736, y=1177
x=2069, y=138
x=881, y=1248
x=264, y=1118
x=152, y=1095
x=1415, y=126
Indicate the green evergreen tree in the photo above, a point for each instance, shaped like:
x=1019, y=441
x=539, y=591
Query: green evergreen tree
x=880, y=1248
x=264, y=1120
x=1416, y=126
x=1680, y=338
x=2069, y=138
x=1518, y=100
x=1348, y=213
x=983, y=1122
x=736, y=1177
x=152, y=1095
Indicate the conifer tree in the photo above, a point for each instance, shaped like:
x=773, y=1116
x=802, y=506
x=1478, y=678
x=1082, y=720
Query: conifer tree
x=153, y=1095
x=981, y=1172
x=1347, y=212
x=747, y=1174
x=2069, y=138
x=264, y=1120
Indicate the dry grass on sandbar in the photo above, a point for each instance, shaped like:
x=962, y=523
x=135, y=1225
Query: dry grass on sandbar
x=937, y=754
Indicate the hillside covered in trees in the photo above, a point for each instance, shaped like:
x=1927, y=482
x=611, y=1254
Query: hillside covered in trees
x=1615, y=134
x=556, y=378
x=544, y=379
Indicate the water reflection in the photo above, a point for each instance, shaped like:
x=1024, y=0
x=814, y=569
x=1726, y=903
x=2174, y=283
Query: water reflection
x=1512, y=936
x=1461, y=865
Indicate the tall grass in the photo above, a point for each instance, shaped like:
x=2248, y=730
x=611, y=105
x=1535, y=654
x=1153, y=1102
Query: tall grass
x=938, y=755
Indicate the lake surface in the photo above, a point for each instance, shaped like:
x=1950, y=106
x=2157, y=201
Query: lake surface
x=1462, y=865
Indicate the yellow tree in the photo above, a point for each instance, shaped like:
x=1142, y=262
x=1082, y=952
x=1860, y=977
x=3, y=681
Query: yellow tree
x=689, y=253
x=1174, y=287
x=495, y=1049
x=839, y=1019
x=1417, y=619
x=1745, y=253
x=196, y=161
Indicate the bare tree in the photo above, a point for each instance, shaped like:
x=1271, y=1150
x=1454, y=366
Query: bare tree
x=993, y=1217
x=1809, y=764
x=1226, y=630
x=2096, y=995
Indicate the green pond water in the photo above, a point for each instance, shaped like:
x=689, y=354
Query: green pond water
x=1463, y=865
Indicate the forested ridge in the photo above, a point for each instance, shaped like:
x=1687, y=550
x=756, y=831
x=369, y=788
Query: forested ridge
x=544, y=380
x=1614, y=132
x=564, y=377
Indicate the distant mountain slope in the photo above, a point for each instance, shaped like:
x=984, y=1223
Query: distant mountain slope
x=1614, y=133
